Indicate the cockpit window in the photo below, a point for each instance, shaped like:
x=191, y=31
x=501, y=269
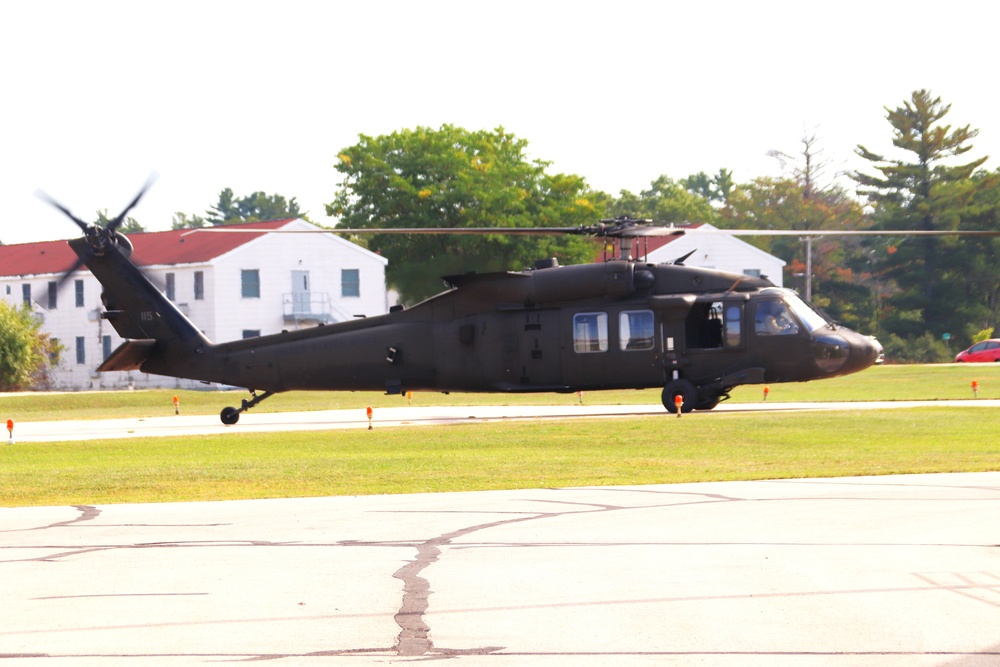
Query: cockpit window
x=811, y=319
x=772, y=318
x=803, y=313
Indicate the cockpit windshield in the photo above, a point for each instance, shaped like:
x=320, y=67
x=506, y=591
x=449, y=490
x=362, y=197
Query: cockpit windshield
x=805, y=313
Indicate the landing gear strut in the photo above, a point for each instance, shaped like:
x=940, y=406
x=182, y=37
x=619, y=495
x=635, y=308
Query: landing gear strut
x=230, y=416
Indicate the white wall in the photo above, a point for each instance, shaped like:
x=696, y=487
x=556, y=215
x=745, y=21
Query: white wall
x=222, y=315
x=719, y=251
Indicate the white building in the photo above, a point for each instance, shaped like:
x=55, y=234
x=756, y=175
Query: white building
x=231, y=285
x=712, y=251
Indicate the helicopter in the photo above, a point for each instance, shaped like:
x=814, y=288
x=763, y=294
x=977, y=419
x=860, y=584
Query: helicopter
x=696, y=333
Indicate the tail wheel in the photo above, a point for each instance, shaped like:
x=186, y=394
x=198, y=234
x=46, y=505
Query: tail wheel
x=683, y=388
x=229, y=416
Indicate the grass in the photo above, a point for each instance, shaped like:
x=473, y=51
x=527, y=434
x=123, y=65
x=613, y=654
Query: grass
x=501, y=456
x=508, y=455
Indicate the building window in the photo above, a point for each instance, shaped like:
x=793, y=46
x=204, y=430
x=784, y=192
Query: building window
x=635, y=330
x=250, y=283
x=199, y=285
x=753, y=273
x=350, y=282
x=54, y=352
x=8, y=289
x=106, y=346
x=251, y=333
x=171, y=286
x=26, y=293
x=81, y=350
x=590, y=332
x=53, y=292
x=78, y=288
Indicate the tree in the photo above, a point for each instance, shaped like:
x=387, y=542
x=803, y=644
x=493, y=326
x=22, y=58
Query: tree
x=713, y=188
x=452, y=177
x=25, y=352
x=666, y=200
x=925, y=191
x=230, y=210
x=129, y=226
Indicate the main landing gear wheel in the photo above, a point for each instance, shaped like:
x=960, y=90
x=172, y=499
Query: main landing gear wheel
x=683, y=388
x=229, y=416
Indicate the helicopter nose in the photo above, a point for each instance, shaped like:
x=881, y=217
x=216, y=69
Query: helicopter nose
x=866, y=351
x=846, y=352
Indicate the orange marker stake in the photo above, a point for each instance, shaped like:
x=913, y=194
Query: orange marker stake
x=369, y=417
x=767, y=390
x=975, y=389
x=10, y=431
x=579, y=395
x=678, y=402
x=177, y=405
x=409, y=398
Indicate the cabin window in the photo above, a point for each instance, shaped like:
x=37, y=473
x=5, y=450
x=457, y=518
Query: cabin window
x=635, y=330
x=81, y=350
x=734, y=315
x=590, y=332
x=199, y=285
x=250, y=279
x=350, y=282
x=78, y=290
x=772, y=318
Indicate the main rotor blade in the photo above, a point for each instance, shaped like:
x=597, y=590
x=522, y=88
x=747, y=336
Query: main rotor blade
x=627, y=232
x=478, y=231
x=844, y=232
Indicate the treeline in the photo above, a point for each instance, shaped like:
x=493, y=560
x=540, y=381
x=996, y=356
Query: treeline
x=924, y=296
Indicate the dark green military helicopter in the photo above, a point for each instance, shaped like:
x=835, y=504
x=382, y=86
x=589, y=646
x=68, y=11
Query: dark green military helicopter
x=695, y=332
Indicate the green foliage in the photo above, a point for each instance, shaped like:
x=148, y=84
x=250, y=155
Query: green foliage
x=665, y=200
x=184, y=221
x=713, y=188
x=25, y=352
x=451, y=177
x=252, y=208
x=129, y=226
x=232, y=210
x=985, y=334
x=921, y=349
x=925, y=190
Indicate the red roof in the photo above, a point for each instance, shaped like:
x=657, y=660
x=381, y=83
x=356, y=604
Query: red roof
x=151, y=248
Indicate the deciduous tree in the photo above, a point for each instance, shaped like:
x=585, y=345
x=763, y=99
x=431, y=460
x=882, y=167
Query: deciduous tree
x=452, y=177
x=25, y=352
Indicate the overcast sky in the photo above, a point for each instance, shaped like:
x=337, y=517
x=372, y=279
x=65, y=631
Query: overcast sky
x=263, y=95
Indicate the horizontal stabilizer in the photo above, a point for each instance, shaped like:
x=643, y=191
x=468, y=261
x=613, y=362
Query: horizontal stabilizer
x=129, y=356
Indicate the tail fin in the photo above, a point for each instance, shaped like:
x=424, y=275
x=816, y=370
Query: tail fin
x=159, y=338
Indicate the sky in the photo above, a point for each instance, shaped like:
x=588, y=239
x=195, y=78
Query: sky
x=251, y=95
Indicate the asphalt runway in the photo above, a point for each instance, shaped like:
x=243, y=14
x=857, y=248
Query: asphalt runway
x=885, y=571
x=259, y=422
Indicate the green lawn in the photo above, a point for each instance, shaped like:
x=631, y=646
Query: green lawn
x=581, y=452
